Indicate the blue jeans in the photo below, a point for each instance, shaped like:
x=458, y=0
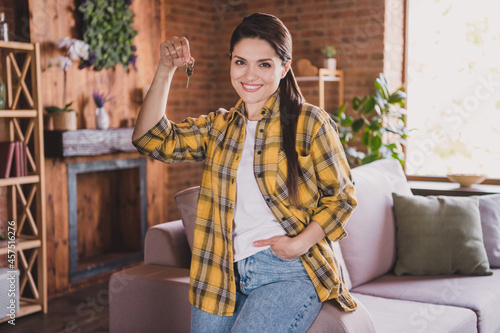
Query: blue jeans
x=273, y=295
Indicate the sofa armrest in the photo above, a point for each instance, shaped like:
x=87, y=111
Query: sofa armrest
x=167, y=245
x=149, y=298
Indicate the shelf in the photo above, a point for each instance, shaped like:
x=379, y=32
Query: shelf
x=17, y=46
x=21, y=244
x=88, y=142
x=326, y=75
x=18, y=113
x=26, y=307
x=21, y=76
x=19, y=180
x=445, y=188
x=328, y=78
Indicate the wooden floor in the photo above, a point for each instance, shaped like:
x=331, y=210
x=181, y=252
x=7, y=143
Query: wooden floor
x=83, y=311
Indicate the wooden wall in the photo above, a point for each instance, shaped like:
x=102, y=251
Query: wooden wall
x=51, y=20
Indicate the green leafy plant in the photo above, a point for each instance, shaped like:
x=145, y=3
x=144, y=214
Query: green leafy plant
x=107, y=29
x=329, y=51
x=380, y=119
x=54, y=109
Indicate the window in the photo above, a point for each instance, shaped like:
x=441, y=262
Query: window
x=453, y=85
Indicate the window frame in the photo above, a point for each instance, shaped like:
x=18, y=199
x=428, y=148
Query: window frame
x=429, y=178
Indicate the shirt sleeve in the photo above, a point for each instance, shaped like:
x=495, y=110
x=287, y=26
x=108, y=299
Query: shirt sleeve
x=170, y=142
x=334, y=181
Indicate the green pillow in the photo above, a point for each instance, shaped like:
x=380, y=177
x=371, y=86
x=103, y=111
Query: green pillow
x=439, y=235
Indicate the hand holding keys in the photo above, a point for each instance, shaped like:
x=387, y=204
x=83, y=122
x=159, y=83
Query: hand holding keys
x=189, y=72
x=175, y=52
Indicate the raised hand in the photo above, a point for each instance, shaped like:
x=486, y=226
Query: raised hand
x=175, y=52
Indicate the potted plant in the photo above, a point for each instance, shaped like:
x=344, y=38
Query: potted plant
x=62, y=119
x=329, y=53
x=381, y=122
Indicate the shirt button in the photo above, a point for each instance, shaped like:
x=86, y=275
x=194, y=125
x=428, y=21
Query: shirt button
x=310, y=255
x=259, y=152
x=260, y=175
x=263, y=112
x=232, y=181
x=283, y=219
x=261, y=130
x=268, y=200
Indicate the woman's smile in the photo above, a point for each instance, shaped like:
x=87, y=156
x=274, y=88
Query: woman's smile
x=251, y=87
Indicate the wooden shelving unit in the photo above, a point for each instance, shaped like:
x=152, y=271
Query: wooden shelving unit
x=326, y=75
x=26, y=195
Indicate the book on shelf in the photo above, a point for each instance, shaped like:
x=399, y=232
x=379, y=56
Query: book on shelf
x=24, y=158
x=13, y=159
x=6, y=156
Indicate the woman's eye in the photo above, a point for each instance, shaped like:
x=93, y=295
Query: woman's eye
x=265, y=64
x=239, y=62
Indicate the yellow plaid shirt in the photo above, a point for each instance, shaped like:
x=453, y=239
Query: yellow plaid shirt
x=326, y=193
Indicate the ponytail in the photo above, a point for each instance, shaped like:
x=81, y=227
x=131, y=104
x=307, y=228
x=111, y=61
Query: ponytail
x=291, y=101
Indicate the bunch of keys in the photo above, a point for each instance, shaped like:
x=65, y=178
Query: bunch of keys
x=189, y=72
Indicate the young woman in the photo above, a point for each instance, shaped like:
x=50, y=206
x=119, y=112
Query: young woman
x=276, y=188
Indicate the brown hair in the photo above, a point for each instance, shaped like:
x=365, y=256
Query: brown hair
x=269, y=28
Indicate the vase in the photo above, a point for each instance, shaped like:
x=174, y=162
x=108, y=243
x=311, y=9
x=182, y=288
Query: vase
x=101, y=118
x=64, y=121
x=330, y=63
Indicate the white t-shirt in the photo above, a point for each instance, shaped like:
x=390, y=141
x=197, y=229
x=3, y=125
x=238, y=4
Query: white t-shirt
x=253, y=220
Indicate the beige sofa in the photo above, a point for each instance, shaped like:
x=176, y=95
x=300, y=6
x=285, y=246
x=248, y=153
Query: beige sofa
x=153, y=297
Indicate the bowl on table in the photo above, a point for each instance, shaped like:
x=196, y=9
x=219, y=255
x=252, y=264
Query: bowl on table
x=466, y=180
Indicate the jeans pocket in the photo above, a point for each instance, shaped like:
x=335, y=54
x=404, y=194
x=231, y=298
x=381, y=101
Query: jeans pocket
x=279, y=258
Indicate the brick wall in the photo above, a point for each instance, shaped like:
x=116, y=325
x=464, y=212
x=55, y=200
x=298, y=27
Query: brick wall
x=394, y=42
x=192, y=19
x=355, y=28
x=367, y=33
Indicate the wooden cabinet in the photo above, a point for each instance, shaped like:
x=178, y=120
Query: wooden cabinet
x=23, y=116
x=326, y=75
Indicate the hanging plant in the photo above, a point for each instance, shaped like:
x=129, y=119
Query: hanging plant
x=107, y=29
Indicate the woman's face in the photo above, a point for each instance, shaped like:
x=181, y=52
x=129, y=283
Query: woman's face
x=256, y=71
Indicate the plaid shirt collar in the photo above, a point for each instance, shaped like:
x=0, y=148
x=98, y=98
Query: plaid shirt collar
x=270, y=109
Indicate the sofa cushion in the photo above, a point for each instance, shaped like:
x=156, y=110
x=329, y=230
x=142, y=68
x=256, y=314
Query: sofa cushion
x=187, y=202
x=370, y=248
x=489, y=207
x=396, y=316
x=481, y=294
x=439, y=235
x=333, y=319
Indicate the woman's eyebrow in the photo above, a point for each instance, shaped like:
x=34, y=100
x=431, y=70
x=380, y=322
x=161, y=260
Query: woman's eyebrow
x=260, y=60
